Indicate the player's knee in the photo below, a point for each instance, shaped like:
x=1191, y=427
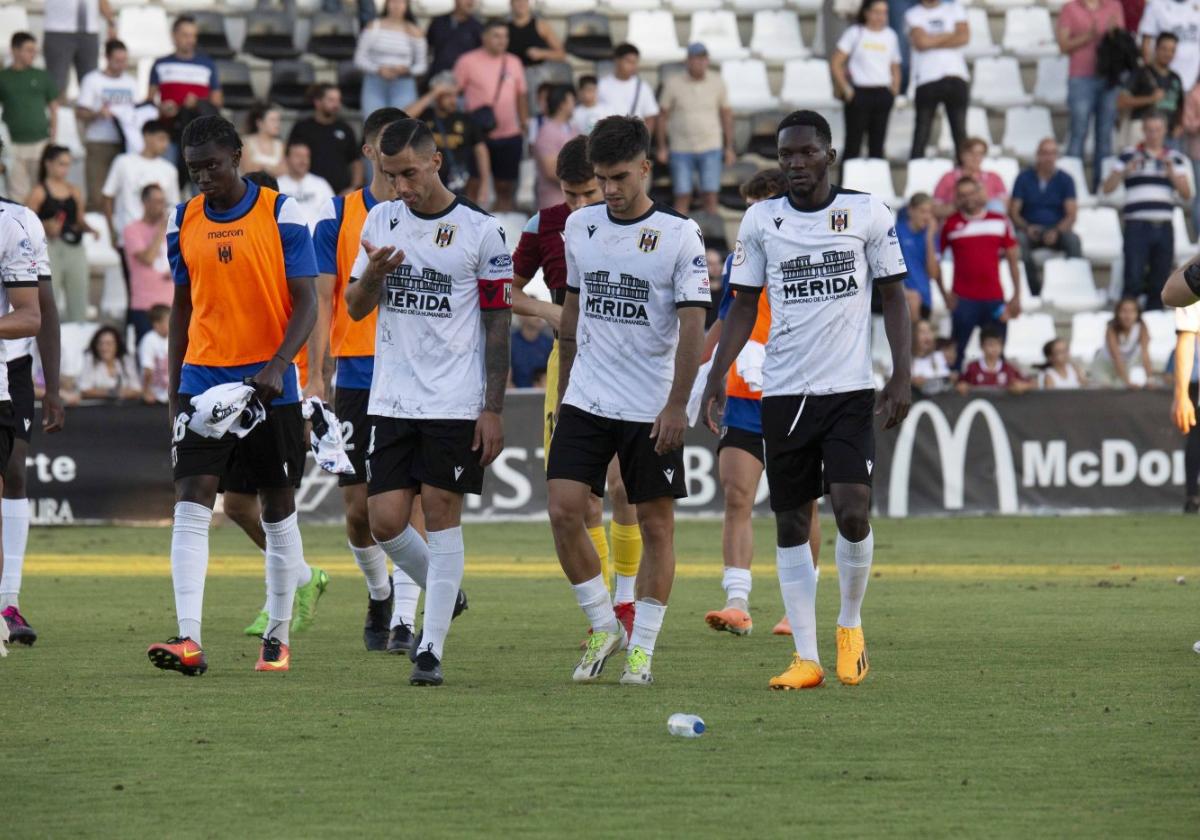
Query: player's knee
x=657, y=527
x=14, y=479
x=739, y=499
x=854, y=522
x=564, y=513
x=616, y=491
x=277, y=507
x=358, y=526
x=791, y=528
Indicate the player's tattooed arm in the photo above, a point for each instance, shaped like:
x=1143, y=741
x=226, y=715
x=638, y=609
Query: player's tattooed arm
x=177, y=343
x=363, y=293
x=896, y=397
x=566, y=341
x=735, y=332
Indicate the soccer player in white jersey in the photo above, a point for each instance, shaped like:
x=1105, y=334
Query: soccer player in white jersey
x=630, y=338
x=818, y=251
x=22, y=263
x=439, y=271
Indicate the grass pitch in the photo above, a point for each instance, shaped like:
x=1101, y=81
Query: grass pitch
x=1029, y=677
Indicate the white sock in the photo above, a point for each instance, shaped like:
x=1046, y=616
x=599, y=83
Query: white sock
x=626, y=589
x=854, y=570
x=266, y=607
x=404, y=598
x=410, y=553
x=647, y=621
x=736, y=583
x=16, y=537
x=189, y=565
x=447, y=558
x=592, y=596
x=798, y=584
x=373, y=563
x=286, y=570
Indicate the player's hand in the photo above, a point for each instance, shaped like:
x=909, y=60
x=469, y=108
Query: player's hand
x=894, y=401
x=53, y=413
x=951, y=301
x=553, y=317
x=1183, y=413
x=489, y=437
x=712, y=405
x=1013, y=310
x=316, y=387
x=381, y=261
x=669, y=426
x=268, y=382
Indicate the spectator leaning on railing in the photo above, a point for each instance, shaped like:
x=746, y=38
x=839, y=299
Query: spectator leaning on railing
x=939, y=32
x=1082, y=25
x=1043, y=210
x=866, y=71
x=1126, y=347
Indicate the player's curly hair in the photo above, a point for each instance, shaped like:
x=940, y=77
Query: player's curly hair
x=811, y=119
x=618, y=139
x=378, y=120
x=407, y=133
x=573, y=165
x=211, y=129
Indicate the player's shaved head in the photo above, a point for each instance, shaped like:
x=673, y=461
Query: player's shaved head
x=407, y=134
x=378, y=120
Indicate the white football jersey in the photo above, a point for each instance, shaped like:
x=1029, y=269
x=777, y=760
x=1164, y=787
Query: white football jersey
x=429, y=340
x=16, y=348
x=631, y=276
x=818, y=267
x=22, y=260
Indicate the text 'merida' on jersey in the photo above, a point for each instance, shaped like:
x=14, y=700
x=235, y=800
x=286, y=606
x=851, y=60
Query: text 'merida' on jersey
x=818, y=267
x=631, y=276
x=429, y=338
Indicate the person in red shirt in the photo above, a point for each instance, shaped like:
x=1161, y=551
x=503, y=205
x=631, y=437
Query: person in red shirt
x=993, y=371
x=976, y=237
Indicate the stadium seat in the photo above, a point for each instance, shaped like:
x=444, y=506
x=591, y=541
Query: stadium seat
x=144, y=30
x=718, y=31
x=1161, y=326
x=653, y=33
x=100, y=252
x=1006, y=167
x=1087, y=335
x=67, y=134
x=977, y=126
x=691, y=6
x=1028, y=33
x=1116, y=198
x=433, y=8
x=807, y=83
x=1027, y=335
x=1002, y=5
x=872, y=175
x=349, y=80
x=622, y=7
x=1024, y=128
x=997, y=84
x=923, y=175
x=1029, y=301
x=756, y=6
x=564, y=8
x=763, y=139
x=270, y=36
x=191, y=7
x=1185, y=248
x=333, y=36
x=1050, y=87
x=1068, y=285
x=235, y=83
x=749, y=79
x=74, y=339
x=589, y=37
x=211, y=35
x=776, y=37
x=811, y=6
x=13, y=19
x=981, y=44
x=1073, y=166
x=144, y=66
x=239, y=5
x=493, y=8
x=1099, y=231
x=289, y=81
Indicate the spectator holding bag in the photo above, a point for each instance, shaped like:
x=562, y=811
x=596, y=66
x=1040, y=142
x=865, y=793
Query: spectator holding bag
x=866, y=71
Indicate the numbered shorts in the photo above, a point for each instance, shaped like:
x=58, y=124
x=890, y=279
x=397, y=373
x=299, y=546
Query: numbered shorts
x=350, y=406
x=20, y=391
x=403, y=454
x=271, y=456
x=584, y=444
x=807, y=436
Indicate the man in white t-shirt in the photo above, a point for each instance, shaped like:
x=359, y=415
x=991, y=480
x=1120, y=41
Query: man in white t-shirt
x=131, y=173
x=312, y=192
x=624, y=93
x=103, y=95
x=1182, y=19
x=630, y=339
x=818, y=251
x=939, y=32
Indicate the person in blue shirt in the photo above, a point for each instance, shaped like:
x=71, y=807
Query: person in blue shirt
x=1043, y=210
x=916, y=229
x=531, y=346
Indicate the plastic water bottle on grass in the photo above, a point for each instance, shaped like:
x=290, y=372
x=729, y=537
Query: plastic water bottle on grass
x=685, y=726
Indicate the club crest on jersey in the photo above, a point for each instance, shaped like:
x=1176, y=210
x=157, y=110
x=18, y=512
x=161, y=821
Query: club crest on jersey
x=225, y=253
x=444, y=235
x=839, y=219
x=648, y=240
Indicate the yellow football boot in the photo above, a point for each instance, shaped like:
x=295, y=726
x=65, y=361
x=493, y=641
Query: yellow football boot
x=802, y=673
x=852, y=665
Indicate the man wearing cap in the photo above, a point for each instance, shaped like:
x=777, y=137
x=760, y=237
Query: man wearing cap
x=695, y=131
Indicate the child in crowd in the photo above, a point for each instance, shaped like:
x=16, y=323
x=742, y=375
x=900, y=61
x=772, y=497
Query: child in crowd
x=1126, y=347
x=993, y=371
x=931, y=372
x=587, y=110
x=1060, y=373
x=152, y=357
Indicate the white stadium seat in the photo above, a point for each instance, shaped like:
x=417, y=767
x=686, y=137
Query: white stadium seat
x=1116, y=198
x=977, y=126
x=1087, y=334
x=872, y=175
x=490, y=8
x=628, y=6
x=1006, y=167
x=807, y=83
x=1161, y=326
x=74, y=339
x=812, y=6
x=1050, y=87
x=756, y=6
x=690, y=6
x=1099, y=232
x=981, y=43
x=100, y=251
x=1068, y=285
x=1024, y=128
x=718, y=31
x=1027, y=335
x=67, y=132
x=145, y=30
x=1073, y=166
x=749, y=79
x=1185, y=248
x=997, y=83
x=1029, y=302
x=562, y=8
x=13, y=19
x=776, y=37
x=1001, y=5
x=1028, y=33
x=924, y=173
x=653, y=33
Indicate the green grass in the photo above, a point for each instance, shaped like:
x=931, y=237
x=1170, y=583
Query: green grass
x=1058, y=697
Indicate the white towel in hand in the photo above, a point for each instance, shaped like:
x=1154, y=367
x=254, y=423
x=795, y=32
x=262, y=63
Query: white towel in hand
x=693, y=406
x=226, y=409
x=327, y=445
x=750, y=364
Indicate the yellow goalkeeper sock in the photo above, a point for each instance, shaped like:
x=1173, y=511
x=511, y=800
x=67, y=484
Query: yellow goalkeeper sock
x=600, y=540
x=627, y=557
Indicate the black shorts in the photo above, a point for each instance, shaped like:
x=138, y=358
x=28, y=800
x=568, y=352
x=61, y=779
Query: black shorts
x=20, y=391
x=805, y=435
x=271, y=456
x=403, y=454
x=733, y=437
x=583, y=445
x=350, y=406
x=7, y=430
x=505, y=156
